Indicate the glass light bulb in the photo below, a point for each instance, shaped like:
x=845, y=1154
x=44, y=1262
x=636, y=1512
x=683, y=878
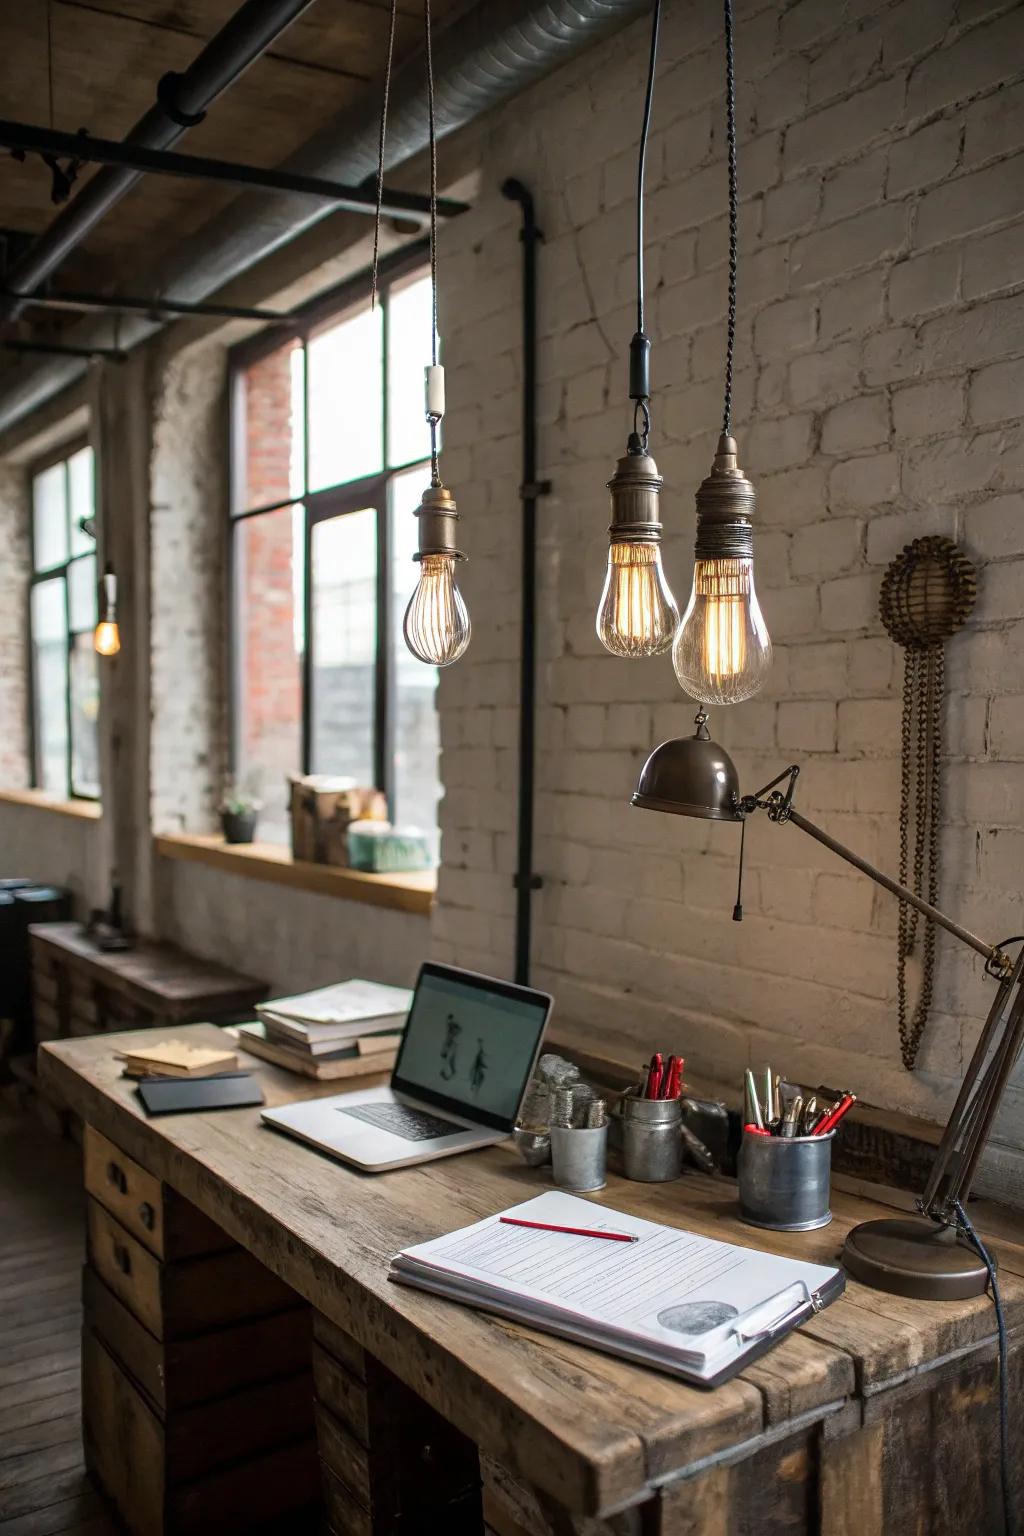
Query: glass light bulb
x=106, y=639
x=437, y=627
x=637, y=614
x=722, y=651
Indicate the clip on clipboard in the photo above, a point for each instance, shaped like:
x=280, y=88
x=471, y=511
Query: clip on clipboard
x=791, y=1315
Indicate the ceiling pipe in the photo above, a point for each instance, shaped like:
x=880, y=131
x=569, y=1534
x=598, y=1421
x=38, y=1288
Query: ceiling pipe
x=481, y=59
x=181, y=103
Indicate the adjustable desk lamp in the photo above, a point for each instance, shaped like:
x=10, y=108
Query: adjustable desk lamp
x=921, y=1256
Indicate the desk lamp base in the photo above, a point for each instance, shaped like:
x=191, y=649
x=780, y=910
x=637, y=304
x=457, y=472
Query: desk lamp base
x=912, y=1256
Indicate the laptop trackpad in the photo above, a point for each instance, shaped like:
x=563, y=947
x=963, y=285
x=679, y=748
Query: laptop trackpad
x=399, y=1120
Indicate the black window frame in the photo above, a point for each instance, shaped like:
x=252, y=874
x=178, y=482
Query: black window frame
x=369, y=492
x=59, y=455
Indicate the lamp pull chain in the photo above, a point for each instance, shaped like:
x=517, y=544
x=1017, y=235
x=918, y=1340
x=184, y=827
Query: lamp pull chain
x=380, y=153
x=737, y=911
x=730, y=118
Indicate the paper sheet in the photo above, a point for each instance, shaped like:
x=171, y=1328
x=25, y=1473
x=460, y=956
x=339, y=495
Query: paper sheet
x=671, y=1290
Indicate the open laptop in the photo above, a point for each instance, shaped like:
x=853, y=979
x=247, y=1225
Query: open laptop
x=468, y=1052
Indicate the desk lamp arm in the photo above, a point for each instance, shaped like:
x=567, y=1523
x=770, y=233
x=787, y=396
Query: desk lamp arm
x=980, y=1094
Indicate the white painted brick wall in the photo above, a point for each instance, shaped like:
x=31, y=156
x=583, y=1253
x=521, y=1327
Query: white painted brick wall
x=879, y=376
x=14, y=572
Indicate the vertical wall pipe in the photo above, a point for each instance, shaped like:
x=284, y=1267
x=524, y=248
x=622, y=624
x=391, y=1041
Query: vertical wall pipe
x=526, y=881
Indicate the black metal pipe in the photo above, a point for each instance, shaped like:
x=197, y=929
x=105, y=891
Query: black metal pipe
x=55, y=349
x=98, y=303
x=526, y=881
x=181, y=98
x=83, y=147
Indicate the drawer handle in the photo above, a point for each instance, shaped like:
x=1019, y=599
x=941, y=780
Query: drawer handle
x=117, y=1177
x=122, y=1258
x=147, y=1215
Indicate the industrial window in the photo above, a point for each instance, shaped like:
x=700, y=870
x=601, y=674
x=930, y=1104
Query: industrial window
x=330, y=456
x=63, y=675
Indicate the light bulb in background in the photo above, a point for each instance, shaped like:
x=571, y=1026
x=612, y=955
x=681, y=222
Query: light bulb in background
x=106, y=639
x=637, y=614
x=437, y=628
x=722, y=652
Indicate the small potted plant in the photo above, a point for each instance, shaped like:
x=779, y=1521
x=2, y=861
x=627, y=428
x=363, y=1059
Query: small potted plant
x=239, y=812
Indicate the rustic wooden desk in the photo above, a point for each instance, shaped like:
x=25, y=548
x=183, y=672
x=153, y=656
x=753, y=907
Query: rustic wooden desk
x=877, y=1416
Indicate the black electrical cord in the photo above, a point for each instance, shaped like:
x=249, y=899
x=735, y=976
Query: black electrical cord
x=434, y=470
x=640, y=346
x=730, y=122
x=380, y=150
x=642, y=165
x=976, y=1243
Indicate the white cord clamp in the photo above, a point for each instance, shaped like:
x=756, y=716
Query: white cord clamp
x=433, y=379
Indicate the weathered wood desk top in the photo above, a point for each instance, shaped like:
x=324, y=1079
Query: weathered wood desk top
x=594, y=1433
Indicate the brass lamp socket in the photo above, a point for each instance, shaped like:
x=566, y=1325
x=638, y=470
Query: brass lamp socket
x=437, y=519
x=725, y=507
x=108, y=597
x=635, y=489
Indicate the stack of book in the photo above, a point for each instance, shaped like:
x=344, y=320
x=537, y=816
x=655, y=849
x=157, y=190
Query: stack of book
x=346, y=1030
x=176, y=1058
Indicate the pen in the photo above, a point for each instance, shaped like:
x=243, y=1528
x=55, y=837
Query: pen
x=756, y=1130
x=835, y=1114
x=654, y=1072
x=671, y=1080
x=791, y=1119
x=545, y=1226
x=753, y=1115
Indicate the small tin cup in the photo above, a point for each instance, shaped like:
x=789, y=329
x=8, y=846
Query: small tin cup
x=652, y=1140
x=578, y=1157
x=784, y=1181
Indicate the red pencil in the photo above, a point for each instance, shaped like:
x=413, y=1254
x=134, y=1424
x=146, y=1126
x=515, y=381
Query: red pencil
x=544, y=1226
x=654, y=1071
x=831, y=1120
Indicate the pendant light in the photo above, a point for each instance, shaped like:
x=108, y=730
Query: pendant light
x=437, y=628
x=106, y=638
x=722, y=651
x=637, y=614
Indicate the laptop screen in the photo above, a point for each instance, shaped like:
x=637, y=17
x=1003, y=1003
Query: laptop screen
x=470, y=1044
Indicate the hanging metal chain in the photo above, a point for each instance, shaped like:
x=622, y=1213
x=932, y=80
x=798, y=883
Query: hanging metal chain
x=730, y=126
x=927, y=594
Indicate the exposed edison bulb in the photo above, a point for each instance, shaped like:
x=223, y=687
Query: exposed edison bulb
x=722, y=651
x=437, y=627
x=637, y=614
x=106, y=639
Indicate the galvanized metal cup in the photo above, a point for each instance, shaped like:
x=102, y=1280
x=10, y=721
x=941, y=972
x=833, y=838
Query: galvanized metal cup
x=652, y=1139
x=579, y=1157
x=785, y=1181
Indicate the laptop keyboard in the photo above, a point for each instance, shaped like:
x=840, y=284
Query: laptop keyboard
x=410, y=1124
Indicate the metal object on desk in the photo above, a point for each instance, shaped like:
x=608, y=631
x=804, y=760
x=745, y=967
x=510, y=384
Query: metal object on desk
x=579, y=1157
x=785, y=1181
x=652, y=1142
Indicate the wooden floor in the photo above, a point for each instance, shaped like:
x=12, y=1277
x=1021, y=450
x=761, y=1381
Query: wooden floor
x=44, y=1490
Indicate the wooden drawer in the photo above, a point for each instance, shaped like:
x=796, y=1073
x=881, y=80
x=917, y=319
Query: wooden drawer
x=148, y=1469
x=341, y=1392
x=180, y=1373
x=162, y=1220
x=188, y=1297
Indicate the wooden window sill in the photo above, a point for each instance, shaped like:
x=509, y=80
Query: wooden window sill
x=268, y=861
x=85, y=810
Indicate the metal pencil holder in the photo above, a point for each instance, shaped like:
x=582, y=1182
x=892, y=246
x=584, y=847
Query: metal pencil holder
x=652, y=1139
x=785, y=1181
x=579, y=1156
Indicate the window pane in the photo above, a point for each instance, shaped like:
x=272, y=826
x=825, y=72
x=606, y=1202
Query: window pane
x=49, y=685
x=85, y=710
x=49, y=518
x=271, y=447
x=345, y=408
x=344, y=593
x=82, y=594
x=417, y=735
x=409, y=326
x=268, y=642
x=81, y=497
